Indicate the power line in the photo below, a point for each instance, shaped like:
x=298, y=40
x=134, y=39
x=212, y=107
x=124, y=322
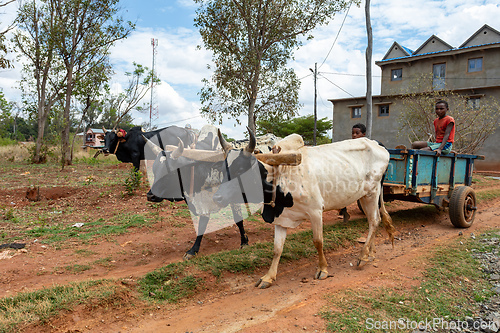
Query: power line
x=336, y=85
x=338, y=33
x=348, y=74
x=178, y=121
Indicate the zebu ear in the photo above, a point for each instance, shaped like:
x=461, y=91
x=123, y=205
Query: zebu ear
x=178, y=152
x=156, y=149
x=251, y=142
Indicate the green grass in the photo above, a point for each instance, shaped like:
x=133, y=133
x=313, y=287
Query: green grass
x=90, y=230
x=104, y=262
x=85, y=252
x=170, y=283
x=449, y=289
x=487, y=195
x=38, y=306
x=299, y=245
x=450, y=284
x=23, y=174
x=77, y=268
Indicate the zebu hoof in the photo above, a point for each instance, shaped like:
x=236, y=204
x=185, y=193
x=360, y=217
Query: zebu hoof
x=320, y=275
x=362, y=262
x=188, y=256
x=153, y=198
x=263, y=284
x=244, y=242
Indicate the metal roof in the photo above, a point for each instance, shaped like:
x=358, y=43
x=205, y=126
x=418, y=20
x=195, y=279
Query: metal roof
x=439, y=52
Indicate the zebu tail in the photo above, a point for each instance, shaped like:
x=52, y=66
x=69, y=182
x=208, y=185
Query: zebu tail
x=386, y=218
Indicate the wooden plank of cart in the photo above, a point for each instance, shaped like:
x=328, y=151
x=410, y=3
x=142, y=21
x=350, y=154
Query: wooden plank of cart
x=444, y=181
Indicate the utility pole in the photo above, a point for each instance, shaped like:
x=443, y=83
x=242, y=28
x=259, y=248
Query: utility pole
x=369, y=50
x=315, y=72
x=153, y=109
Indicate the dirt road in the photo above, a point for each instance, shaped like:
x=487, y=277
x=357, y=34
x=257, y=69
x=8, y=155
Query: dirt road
x=231, y=304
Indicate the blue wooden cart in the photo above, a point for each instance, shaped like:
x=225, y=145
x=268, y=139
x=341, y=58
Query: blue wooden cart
x=444, y=181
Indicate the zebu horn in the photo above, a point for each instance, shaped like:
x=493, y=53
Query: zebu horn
x=104, y=130
x=178, y=152
x=225, y=146
x=155, y=148
x=252, y=142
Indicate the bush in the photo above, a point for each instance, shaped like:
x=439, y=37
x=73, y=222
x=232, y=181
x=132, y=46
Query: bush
x=45, y=153
x=133, y=181
x=7, y=142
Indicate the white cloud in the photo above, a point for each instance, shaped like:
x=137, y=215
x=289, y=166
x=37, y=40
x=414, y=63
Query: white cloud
x=181, y=66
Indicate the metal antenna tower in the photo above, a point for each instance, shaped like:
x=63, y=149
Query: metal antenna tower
x=153, y=106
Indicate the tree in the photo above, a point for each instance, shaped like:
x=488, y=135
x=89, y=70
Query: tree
x=86, y=29
x=4, y=62
x=88, y=93
x=110, y=115
x=251, y=41
x=67, y=46
x=116, y=108
x=42, y=82
x=301, y=125
x=475, y=120
x=5, y=116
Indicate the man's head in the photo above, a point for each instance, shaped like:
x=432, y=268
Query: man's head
x=358, y=131
x=441, y=108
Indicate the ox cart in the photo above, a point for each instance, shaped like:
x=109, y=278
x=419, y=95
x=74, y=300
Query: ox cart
x=444, y=181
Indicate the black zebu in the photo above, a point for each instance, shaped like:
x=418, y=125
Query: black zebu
x=177, y=177
x=130, y=149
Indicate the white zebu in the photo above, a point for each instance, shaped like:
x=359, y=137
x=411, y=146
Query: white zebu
x=264, y=143
x=330, y=177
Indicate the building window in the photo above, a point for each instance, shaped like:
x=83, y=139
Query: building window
x=356, y=112
x=383, y=110
x=438, y=76
x=473, y=103
x=397, y=74
x=475, y=65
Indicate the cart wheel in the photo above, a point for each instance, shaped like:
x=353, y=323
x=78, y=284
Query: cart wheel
x=463, y=207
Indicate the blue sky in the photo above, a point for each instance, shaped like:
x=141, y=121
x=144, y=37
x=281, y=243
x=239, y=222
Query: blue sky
x=181, y=67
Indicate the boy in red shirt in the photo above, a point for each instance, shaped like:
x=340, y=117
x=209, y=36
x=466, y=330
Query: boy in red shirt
x=445, y=132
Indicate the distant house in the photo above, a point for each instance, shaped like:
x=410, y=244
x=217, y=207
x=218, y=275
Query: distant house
x=472, y=70
x=90, y=138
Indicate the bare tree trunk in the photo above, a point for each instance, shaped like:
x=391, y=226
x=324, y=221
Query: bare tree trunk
x=66, y=156
x=368, y=71
x=251, y=105
x=42, y=120
x=84, y=113
x=251, y=115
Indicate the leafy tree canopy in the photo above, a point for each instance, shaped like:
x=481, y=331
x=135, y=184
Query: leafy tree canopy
x=301, y=125
x=252, y=41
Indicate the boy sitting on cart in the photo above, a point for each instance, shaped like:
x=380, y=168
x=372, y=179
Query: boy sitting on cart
x=444, y=126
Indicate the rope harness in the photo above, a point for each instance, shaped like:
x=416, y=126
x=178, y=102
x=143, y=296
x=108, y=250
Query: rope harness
x=118, y=144
x=272, y=203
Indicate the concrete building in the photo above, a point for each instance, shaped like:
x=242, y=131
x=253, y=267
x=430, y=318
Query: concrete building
x=91, y=138
x=471, y=70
